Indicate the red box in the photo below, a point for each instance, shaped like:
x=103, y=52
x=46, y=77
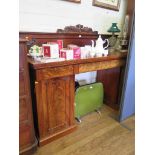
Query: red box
x=76, y=53
x=66, y=53
x=51, y=50
x=47, y=51
x=60, y=44
x=63, y=54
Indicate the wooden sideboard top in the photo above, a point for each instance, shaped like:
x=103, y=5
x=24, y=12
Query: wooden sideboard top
x=112, y=56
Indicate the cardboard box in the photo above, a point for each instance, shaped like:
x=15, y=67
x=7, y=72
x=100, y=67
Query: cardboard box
x=60, y=44
x=76, y=53
x=70, y=54
x=51, y=50
x=66, y=53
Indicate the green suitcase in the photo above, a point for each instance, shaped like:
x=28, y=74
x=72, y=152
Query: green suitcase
x=88, y=98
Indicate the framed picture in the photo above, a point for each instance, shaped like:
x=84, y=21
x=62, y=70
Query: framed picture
x=108, y=4
x=75, y=1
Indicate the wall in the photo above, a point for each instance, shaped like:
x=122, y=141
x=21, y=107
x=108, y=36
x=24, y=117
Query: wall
x=49, y=15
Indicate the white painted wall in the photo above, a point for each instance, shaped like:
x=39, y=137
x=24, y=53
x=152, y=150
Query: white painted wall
x=49, y=15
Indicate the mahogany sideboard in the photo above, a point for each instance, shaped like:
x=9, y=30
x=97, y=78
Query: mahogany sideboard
x=27, y=139
x=52, y=84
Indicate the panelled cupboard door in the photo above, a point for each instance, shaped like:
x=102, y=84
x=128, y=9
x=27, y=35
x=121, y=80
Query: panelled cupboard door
x=54, y=105
x=111, y=82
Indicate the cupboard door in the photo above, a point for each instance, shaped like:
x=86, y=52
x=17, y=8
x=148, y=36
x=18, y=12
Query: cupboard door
x=55, y=105
x=58, y=104
x=111, y=81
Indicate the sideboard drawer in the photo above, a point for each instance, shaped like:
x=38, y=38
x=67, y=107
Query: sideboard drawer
x=54, y=72
x=88, y=67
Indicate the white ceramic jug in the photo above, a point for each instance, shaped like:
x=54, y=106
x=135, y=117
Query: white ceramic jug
x=99, y=49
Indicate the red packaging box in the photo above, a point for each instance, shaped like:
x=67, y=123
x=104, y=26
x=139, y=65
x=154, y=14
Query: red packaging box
x=66, y=53
x=60, y=44
x=51, y=50
x=76, y=53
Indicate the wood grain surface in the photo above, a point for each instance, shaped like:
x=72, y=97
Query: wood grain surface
x=96, y=136
x=100, y=65
x=27, y=139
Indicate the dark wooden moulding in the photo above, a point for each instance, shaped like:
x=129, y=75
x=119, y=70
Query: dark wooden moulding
x=27, y=140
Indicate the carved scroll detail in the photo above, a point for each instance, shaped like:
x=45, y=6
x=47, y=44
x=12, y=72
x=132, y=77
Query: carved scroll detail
x=76, y=29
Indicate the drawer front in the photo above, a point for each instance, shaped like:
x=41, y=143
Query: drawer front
x=54, y=72
x=100, y=65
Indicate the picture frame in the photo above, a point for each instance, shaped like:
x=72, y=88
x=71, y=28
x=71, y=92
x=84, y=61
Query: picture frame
x=108, y=4
x=75, y=1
